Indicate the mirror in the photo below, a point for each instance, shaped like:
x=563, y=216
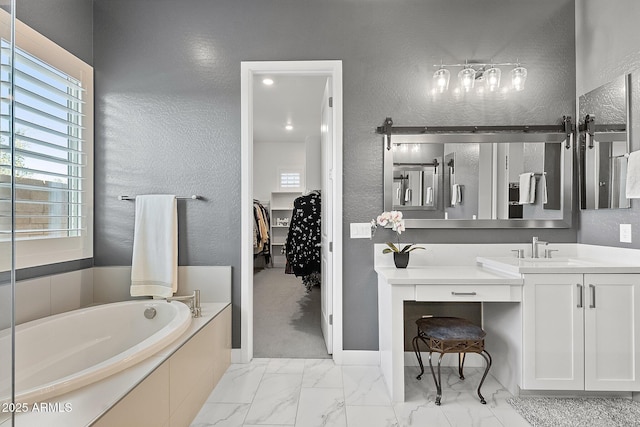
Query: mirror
x=486, y=180
x=604, y=144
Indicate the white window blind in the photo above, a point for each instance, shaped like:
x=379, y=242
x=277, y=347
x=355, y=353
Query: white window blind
x=50, y=162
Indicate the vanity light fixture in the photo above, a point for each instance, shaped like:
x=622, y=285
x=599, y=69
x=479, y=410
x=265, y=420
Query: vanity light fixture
x=487, y=73
x=441, y=80
x=518, y=77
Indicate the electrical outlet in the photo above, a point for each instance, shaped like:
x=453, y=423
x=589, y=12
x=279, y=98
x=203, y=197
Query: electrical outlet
x=360, y=230
x=625, y=233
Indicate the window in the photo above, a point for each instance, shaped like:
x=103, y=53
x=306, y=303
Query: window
x=53, y=165
x=290, y=179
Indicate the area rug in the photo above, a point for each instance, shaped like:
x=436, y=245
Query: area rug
x=570, y=412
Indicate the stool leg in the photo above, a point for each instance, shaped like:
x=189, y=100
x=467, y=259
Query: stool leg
x=438, y=380
x=487, y=358
x=416, y=349
x=461, y=357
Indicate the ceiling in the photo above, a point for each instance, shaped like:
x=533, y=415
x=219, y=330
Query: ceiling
x=290, y=99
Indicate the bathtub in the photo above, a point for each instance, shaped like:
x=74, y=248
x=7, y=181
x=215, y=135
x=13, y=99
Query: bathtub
x=60, y=353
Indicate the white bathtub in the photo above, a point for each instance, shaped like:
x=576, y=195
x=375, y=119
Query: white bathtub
x=60, y=353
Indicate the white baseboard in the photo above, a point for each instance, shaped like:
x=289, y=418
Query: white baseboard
x=237, y=356
x=360, y=357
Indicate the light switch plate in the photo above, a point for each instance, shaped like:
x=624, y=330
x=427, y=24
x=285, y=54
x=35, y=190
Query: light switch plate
x=625, y=233
x=360, y=230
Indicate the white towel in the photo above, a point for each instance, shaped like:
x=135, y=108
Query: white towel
x=456, y=194
x=543, y=187
x=429, y=196
x=154, y=267
x=527, y=188
x=633, y=176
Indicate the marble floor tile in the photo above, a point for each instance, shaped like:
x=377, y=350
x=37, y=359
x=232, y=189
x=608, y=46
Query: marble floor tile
x=238, y=384
x=371, y=416
x=364, y=385
x=286, y=366
x=463, y=409
x=419, y=414
x=316, y=392
x=322, y=373
x=276, y=400
x=321, y=407
x=221, y=415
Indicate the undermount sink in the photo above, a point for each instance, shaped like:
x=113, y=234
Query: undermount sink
x=554, y=261
x=523, y=265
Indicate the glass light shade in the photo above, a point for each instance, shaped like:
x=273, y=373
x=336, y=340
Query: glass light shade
x=492, y=78
x=441, y=80
x=467, y=78
x=518, y=77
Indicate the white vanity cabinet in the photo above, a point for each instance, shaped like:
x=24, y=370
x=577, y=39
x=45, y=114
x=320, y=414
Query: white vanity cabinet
x=581, y=332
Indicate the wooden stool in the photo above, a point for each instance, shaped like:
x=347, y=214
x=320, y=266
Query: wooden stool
x=450, y=335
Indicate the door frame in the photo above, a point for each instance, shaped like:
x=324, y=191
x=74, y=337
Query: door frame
x=248, y=70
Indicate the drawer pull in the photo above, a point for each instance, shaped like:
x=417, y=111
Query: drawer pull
x=463, y=293
x=593, y=296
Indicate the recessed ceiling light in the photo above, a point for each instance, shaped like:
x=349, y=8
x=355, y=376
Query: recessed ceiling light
x=267, y=81
x=289, y=127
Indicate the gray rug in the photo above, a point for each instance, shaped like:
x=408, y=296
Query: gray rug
x=569, y=412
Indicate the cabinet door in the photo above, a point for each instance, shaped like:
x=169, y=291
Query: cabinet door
x=612, y=328
x=553, y=326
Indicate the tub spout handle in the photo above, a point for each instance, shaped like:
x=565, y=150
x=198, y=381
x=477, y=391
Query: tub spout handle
x=193, y=300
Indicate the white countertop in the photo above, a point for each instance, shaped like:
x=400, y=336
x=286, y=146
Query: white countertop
x=577, y=265
x=446, y=275
x=90, y=402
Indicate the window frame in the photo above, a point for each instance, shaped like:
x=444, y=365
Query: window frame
x=49, y=250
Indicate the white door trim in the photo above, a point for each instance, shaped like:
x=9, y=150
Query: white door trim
x=331, y=69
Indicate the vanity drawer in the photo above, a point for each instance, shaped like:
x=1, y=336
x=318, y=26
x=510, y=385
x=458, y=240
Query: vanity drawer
x=463, y=293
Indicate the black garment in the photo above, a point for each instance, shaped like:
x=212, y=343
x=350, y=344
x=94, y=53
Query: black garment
x=303, y=241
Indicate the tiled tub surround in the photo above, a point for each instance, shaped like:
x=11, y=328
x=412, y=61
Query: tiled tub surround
x=167, y=389
x=434, y=274
x=57, y=354
x=44, y=296
x=49, y=295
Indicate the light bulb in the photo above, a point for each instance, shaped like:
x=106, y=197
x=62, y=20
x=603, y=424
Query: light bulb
x=441, y=80
x=492, y=78
x=467, y=77
x=518, y=77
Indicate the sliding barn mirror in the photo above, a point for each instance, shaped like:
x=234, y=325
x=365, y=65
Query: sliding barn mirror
x=479, y=179
x=604, y=145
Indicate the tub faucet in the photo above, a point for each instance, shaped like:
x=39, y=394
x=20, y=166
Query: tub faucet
x=534, y=247
x=193, y=300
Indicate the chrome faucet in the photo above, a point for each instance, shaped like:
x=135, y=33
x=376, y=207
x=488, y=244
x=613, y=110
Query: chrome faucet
x=193, y=300
x=534, y=247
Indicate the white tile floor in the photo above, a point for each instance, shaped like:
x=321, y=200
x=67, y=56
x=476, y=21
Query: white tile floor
x=316, y=392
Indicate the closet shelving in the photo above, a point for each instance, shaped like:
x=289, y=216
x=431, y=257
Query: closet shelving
x=281, y=206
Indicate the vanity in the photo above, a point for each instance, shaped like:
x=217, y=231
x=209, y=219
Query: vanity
x=566, y=323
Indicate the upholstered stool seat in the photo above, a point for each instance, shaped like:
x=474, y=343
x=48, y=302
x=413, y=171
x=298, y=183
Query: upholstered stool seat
x=450, y=335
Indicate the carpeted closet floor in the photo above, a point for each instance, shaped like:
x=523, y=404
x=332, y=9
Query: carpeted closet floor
x=286, y=318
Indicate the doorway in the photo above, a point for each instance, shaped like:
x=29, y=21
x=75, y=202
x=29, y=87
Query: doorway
x=332, y=175
x=287, y=290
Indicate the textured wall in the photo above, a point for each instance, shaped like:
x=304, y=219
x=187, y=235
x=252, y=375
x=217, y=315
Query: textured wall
x=606, y=48
x=168, y=108
x=68, y=23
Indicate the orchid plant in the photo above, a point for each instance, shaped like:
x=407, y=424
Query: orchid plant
x=394, y=220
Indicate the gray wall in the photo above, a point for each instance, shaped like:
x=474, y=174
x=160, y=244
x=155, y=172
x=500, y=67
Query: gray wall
x=168, y=108
x=607, y=35
x=68, y=23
